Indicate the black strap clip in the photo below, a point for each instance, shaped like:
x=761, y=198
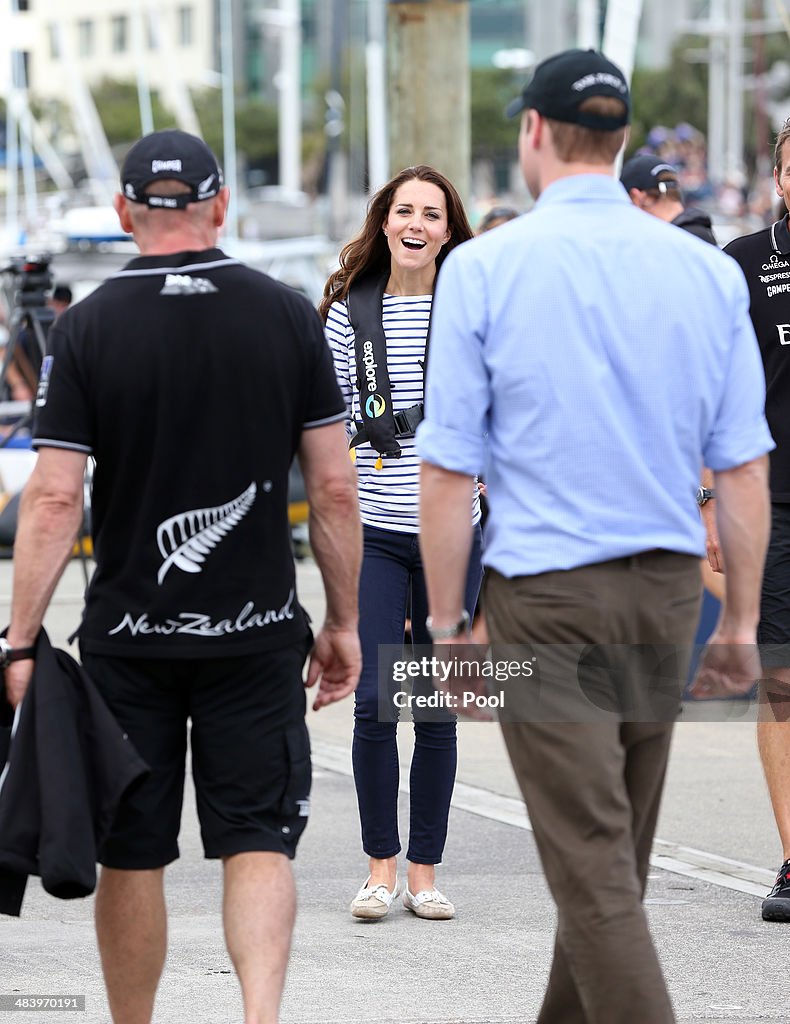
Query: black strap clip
x=407, y=420
x=406, y=423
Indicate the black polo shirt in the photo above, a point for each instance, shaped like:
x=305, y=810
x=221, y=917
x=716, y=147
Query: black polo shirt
x=190, y=379
x=764, y=258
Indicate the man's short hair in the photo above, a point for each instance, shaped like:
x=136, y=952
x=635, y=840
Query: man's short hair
x=495, y=216
x=781, y=139
x=576, y=143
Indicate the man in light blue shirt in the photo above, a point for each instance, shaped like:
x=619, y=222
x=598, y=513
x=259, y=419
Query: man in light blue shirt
x=588, y=359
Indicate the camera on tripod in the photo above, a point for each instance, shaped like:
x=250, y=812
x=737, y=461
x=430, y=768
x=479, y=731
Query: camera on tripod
x=27, y=283
x=31, y=281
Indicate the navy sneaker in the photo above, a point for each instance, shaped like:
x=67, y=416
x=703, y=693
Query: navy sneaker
x=776, y=905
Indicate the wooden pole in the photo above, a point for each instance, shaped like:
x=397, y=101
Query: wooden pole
x=428, y=62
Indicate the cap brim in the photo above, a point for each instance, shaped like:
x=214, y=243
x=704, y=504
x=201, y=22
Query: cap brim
x=515, y=106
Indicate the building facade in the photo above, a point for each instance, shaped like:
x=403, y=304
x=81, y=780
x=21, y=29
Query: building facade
x=170, y=43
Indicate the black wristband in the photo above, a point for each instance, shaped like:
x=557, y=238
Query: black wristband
x=9, y=653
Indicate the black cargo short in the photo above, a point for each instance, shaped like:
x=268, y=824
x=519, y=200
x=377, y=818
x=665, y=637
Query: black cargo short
x=773, y=633
x=250, y=752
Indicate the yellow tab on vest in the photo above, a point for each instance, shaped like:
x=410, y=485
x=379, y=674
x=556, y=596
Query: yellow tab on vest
x=379, y=464
x=352, y=454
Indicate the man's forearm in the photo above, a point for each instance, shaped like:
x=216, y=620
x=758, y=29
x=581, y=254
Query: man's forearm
x=48, y=527
x=744, y=523
x=445, y=539
x=336, y=542
x=708, y=510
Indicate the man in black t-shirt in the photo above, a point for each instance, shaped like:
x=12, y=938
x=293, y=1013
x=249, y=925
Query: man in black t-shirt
x=192, y=381
x=764, y=258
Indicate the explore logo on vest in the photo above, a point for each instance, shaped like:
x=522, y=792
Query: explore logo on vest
x=370, y=365
x=375, y=406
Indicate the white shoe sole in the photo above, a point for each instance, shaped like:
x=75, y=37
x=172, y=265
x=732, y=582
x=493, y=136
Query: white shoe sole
x=372, y=909
x=368, y=910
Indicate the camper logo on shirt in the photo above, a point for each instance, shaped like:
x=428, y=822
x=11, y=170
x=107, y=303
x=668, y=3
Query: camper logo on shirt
x=183, y=284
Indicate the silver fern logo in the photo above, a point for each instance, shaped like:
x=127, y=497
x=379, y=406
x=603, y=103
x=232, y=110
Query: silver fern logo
x=187, y=539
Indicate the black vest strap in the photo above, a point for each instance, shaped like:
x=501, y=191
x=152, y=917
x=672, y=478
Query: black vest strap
x=364, y=303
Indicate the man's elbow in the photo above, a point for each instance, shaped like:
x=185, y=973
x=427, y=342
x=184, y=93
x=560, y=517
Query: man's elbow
x=439, y=480
x=51, y=506
x=335, y=493
x=755, y=471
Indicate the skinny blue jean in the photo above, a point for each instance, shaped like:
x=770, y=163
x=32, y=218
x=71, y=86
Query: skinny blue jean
x=391, y=571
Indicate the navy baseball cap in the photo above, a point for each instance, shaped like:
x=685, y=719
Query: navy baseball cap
x=170, y=155
x=560, y=84
x=643, y=172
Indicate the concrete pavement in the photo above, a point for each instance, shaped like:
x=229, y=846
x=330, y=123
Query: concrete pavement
x=488, y=966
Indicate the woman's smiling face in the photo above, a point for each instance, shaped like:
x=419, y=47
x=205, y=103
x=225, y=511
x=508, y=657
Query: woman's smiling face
x=416, y=225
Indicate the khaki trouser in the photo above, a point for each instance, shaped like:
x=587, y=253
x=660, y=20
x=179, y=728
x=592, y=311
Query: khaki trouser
x=592, y=784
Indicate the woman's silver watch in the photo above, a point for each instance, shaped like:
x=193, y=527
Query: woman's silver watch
x=448, y=632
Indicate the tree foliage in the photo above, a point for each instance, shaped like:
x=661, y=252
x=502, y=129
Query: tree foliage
x=491, y=91
x=668, y=96
x=119, y=111
x=256, y=121
x=680, y=92
x=256, y=125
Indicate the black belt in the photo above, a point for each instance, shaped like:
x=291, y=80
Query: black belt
x=406, y=423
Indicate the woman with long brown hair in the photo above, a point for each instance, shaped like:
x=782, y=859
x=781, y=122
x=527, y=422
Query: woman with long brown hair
x=377, y=307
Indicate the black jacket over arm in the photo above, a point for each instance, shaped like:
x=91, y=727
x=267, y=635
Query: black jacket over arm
x=64, y=774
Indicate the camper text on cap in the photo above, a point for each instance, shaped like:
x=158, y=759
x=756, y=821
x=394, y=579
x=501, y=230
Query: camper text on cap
x=175, y=156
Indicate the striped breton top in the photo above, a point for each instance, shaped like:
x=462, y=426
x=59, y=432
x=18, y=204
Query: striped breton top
x=389, y=497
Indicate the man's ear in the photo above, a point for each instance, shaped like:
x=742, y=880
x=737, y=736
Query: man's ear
x=529, y=122
x=779, y=191
x=122, y=209
x=538, y=129
x=221, y=201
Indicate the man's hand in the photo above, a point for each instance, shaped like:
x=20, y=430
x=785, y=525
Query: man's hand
x=336, y=660
x=470, y=649
x=17, y=678
x=729, y=667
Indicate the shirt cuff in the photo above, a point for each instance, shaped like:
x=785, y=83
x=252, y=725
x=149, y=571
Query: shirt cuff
x=451, y=449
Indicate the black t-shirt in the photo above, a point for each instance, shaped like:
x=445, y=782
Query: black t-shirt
x=764, y=258
x=189, y=378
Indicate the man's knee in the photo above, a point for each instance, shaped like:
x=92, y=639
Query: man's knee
x=774, y=695
x=252, y=859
